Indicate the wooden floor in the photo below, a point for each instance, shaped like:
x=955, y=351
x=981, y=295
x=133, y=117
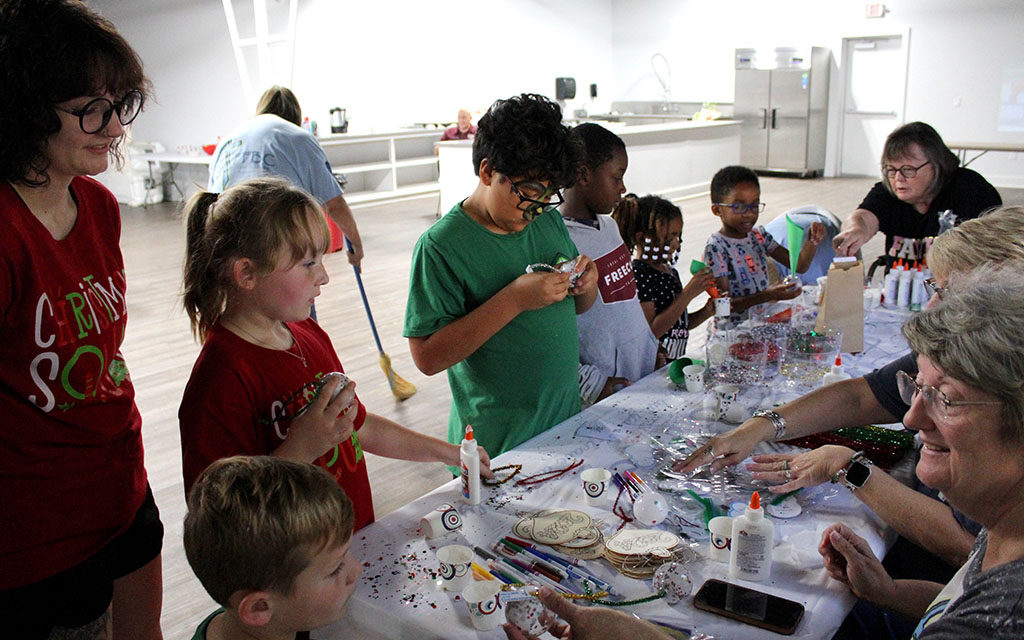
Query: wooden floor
x=160, y=351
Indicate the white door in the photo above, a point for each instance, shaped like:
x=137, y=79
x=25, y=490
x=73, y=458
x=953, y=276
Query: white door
x=875, y=80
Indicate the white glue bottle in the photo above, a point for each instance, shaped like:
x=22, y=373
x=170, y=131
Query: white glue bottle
x=918, y=297
x=753, y=538
x=905, y=283
x=890, y=286
x=836, y=374
x=470, y=460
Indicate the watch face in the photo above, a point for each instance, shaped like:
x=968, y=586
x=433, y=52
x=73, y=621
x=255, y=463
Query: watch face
x=858, y=474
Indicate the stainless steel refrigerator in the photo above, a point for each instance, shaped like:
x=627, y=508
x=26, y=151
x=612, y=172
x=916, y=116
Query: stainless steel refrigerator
x=782, y=100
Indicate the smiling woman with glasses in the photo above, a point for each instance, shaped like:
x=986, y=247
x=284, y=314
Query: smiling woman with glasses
x=85, y=522
x=923, y=192
x=95, y=115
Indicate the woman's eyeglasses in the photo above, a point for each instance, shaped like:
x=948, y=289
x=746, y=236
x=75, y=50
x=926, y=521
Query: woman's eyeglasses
x=935, y=401
x=95, y=115
x=934, y=289
x=906, y=171
x=534, y=197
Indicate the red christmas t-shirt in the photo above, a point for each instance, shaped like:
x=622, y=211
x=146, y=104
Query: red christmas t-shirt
x=71, y=464
x=239, y=399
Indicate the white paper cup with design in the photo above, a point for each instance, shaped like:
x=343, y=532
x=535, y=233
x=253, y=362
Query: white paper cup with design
x=727, y=395
x=595, y=485
x=723, y=307
x=481, y=598
x=443, y=519
x=455, y=570
x=720, y=530
x=694, y=376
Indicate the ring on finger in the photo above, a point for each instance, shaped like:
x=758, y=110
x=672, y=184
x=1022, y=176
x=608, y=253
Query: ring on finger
x=788, y=474
x=785, y=465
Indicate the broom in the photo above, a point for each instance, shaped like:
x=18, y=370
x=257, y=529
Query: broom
x=400, y=387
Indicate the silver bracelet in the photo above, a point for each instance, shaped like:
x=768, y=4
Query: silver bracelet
x=778, y=422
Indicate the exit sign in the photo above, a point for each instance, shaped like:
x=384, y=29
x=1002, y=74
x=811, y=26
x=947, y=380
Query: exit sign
x=876, y=10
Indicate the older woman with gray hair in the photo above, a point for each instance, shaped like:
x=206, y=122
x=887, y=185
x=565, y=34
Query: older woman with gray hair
x=923, y=190
x=967, y=403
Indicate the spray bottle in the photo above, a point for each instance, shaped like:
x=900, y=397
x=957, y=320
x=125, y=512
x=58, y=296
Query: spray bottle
x=470, y=460
x=753, y=538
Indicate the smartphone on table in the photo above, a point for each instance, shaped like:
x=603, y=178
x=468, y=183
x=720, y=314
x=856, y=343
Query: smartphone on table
x=750, y=606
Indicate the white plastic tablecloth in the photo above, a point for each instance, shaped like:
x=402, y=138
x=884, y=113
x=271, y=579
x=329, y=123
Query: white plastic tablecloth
x=397, y=595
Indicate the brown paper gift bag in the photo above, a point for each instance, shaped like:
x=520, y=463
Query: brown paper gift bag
x=843, y=304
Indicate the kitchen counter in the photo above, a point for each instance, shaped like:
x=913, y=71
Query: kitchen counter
x=673, y=159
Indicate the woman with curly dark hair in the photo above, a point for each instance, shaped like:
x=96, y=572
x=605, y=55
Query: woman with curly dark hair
x=81, y=535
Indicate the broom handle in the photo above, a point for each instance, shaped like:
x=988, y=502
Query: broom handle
x=366, y=303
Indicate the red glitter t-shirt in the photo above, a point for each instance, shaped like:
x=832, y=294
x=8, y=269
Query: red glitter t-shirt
x=240, y=395
x=71, y=464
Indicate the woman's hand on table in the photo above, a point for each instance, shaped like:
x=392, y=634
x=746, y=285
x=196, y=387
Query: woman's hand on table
x=591, y=623
x=849, y=559
x=796, y=470
x=727, y=449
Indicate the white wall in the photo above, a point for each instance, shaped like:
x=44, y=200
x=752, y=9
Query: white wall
x=957, y=50
x=389, y=63
x=396, y=62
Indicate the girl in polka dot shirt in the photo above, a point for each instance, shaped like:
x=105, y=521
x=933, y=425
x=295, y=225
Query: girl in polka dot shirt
x=652, y=228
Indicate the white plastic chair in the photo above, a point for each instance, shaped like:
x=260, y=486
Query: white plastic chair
x=804, y=215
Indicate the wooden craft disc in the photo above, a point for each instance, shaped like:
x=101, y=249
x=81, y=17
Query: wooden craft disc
x=561, y=526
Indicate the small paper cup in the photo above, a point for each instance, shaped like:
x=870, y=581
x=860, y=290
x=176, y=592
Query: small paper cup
x=720, y=544
x=481, y=599
x=443, y=519
x=723, y=306
x=595, y=485
x=455, y=562
x=694, y=375
x=727, y=394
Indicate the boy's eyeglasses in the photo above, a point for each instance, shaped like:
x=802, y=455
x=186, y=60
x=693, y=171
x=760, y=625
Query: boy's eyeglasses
x=935, y=401
x=739, y=208
x=534, y=197
x=95, y=115
x=906, y=171
x=934, y=289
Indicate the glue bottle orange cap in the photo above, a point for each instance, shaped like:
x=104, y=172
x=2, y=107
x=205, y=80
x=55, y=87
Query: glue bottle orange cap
x=755, y=501
x=839, y=360
x=469, y=432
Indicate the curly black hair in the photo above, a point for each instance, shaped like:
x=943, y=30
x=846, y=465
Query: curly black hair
x=728, y=178
x=599, y=144
x=53, y=51
x=524, y=137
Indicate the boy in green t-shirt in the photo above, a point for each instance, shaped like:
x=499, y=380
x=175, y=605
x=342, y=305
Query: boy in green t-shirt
x=479, y=304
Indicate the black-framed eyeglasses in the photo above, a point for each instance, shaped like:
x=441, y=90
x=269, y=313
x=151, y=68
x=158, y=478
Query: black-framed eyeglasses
x=739, y=208
x=935, y=401
x=934, y=289
x=95, y=115
x=534, y=197
x=906, y=170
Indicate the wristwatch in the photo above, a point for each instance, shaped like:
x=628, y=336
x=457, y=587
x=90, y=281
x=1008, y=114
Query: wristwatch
x=856, y=472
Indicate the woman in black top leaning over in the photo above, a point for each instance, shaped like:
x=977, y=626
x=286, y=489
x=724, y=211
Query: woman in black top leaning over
x=923, y=192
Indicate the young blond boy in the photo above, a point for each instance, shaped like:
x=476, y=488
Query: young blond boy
x=269, y=539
